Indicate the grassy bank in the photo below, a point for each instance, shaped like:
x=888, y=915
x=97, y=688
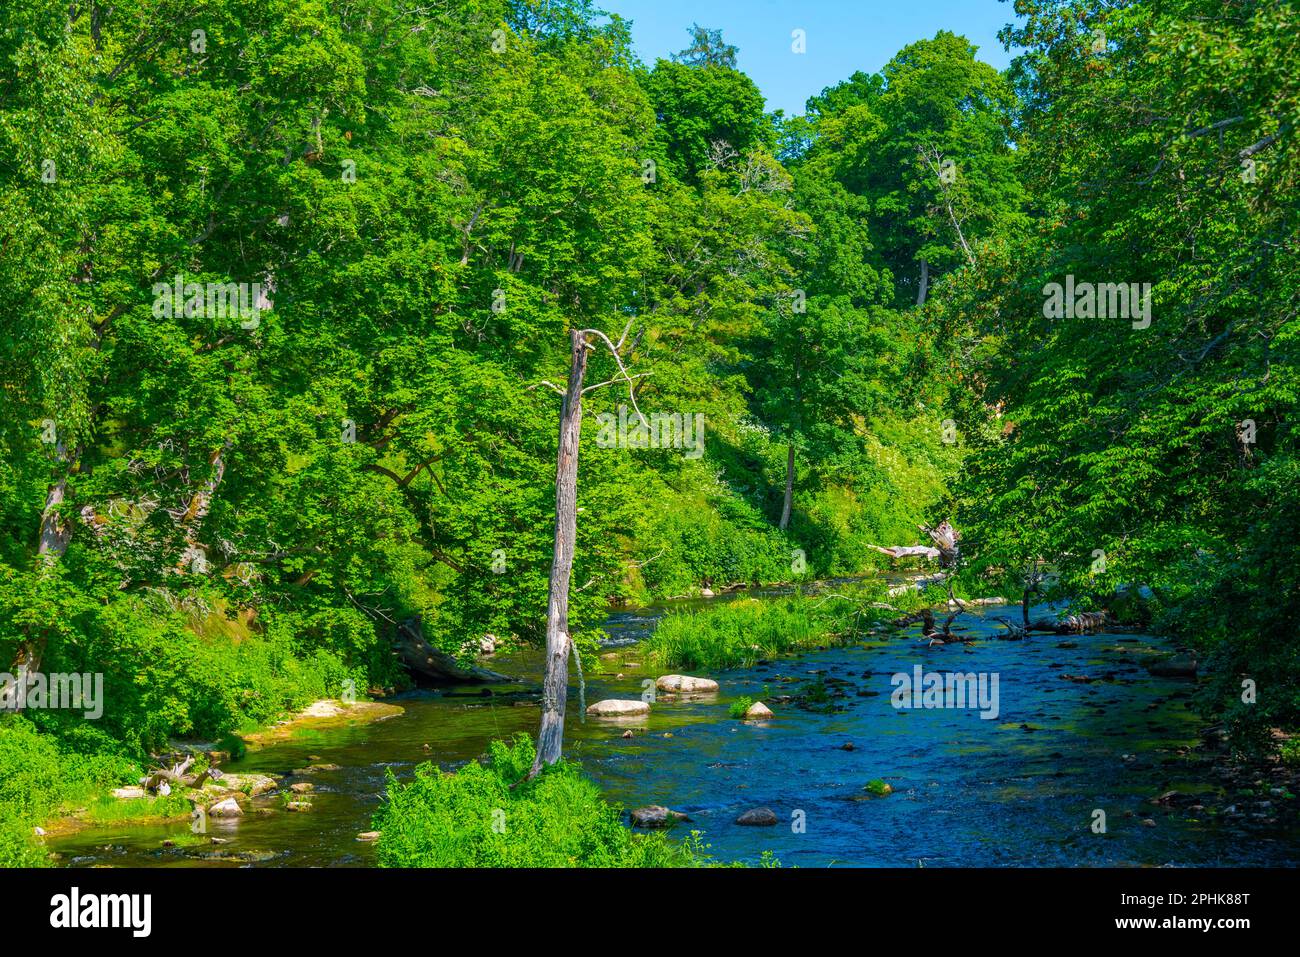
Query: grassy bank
x=486, y=815
x=736, y=634
x=39, y=780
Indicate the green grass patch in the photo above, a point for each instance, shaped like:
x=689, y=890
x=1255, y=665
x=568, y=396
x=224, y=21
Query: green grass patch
x=486, y=815
x=736, y=634
x=107, y=809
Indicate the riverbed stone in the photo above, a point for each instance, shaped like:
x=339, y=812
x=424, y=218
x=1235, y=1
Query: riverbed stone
x=298, y=806
x=758, y=817
x=368, y=836
x=656, y=815
x=313, y=768
x=302, y=787
x=228, y=807
x=686, y=684
x=758, y=712
x=128, y=793
x=250, y=784
x=618, y=708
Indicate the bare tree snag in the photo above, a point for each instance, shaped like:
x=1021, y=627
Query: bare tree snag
x=555, y=682
x=934, y=161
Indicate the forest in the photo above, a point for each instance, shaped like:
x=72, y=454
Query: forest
x=288, y=289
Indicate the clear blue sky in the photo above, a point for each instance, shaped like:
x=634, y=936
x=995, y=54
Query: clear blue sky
x=842, y=35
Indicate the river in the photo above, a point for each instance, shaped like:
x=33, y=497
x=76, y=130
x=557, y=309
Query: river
x=1018, y=790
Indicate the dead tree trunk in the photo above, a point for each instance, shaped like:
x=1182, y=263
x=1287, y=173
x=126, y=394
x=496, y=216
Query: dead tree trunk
x=555, y=684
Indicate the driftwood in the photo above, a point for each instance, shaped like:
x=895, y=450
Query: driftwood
x=903, y=551
x=175, y=775
x=1073, y=624
x=1081, y=623
x=433, y=665
x=944, y=550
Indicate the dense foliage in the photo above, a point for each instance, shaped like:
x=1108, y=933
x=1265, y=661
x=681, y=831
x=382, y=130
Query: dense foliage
x=226, y=511
x=1157, y=141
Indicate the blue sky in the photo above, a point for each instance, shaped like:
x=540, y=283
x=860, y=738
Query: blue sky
x=842, y=35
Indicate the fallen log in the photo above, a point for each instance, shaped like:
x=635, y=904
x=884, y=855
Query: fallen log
x=176, y=773
x=434, y=665
x=1073, y=624
x=944, y=550
x=903, y=551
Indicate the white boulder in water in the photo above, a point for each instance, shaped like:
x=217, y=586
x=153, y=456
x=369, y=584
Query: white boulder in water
x=618, y=708
x=758, y=712
x=685, y=684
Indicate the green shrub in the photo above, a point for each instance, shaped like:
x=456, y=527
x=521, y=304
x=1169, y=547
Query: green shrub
x=740, y=706
x=162, y=680
x=39, y=780
x=486, y=815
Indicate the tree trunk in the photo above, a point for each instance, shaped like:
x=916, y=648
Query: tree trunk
x=789, y=488
x=435, y=666
x=52, y=542
x=555, y=684
x=925, y=282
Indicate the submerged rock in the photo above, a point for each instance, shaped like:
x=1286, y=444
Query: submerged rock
x=368, y=836
x=313, y=768
x=618, y=708
x=250, y=784
x=686, y=684
x=298, y=806
x=758, y=817
x=656, y=815
x=1179, y=666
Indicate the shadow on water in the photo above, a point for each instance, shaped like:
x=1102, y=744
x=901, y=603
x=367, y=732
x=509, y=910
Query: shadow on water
x=1021, y=788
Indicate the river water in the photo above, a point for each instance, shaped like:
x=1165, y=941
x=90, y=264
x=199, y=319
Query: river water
x=1021, y=789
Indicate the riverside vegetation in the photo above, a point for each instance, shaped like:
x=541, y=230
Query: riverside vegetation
x=227, y=515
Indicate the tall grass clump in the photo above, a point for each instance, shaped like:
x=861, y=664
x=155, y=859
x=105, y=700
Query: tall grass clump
x=487, y=815
x=738, y=633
